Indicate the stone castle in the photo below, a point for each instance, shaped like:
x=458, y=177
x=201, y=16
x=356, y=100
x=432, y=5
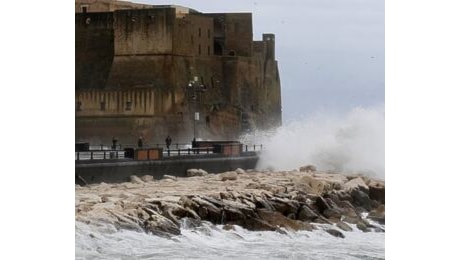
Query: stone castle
x=153, y=71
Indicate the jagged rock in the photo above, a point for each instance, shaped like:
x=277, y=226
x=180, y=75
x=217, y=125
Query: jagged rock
x=309, y=184
x=284, y=206
x=333, y=214
x=229, y=176
x=321, y=204
x=308, y=168
x=344, y=226
x=228, y=227
x=377, y=192
x=361, y=199
x=335, y=233
x=277, y=219
x=161, y=226
x=362, y=225
x=232, y=214
x=196, y=172
x=256, y=224
x=147, y=178
x=378, y=214
x=169, y=177
x=306, y=214
x=263, y=203
x=208, y=211
x=356, y=183
x=240, y=171
x=136, y=180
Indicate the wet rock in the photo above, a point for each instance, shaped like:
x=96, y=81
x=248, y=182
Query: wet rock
x=335, y=233
x=361, y=199
x=306, y=214
x=277, y=219
x=256, y=224
x=377, y=192
x=361, y=225
x=344, y=226
x=321, y=204
x=285, y=206
x=378, y=214
x=228, y=227
x=333, y=214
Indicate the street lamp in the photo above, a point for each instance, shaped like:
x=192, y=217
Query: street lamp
x=196, y=87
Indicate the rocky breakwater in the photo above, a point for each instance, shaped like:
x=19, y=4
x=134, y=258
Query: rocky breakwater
x=258, y=201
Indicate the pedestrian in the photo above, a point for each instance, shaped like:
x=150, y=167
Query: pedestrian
x=168, y=141
x=140, y=142
x=114, y=143
x=194, y=145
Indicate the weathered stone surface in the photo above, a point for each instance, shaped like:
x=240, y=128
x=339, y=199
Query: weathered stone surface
x=169, y=177
x=306, y=214
x=344, y=226
x=377, y=193
x=147, y=178
x=135, y=179
x=240, y=171
x=308, y=168
x=378, y=214
x=160, y=207
x=229, y=176
x=356, y=183
x=335, y=233
x=196, y=172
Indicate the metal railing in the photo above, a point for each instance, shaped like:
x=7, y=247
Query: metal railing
x=104, y=152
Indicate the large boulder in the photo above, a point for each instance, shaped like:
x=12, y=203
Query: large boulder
x=229, y=176
x=196, y=172
x=277, y=219
x=356, y=183
x=378, y=214
x=377, y=192
x=308, y=168
x=306, y=214
x=335, y=233
x=361, y=199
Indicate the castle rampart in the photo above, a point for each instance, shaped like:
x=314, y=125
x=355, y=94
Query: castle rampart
x=134, y=66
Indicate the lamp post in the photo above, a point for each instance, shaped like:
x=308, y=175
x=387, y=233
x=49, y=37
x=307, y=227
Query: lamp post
x=196, y=87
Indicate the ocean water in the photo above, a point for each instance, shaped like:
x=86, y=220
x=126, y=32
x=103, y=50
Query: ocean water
x=213, y=242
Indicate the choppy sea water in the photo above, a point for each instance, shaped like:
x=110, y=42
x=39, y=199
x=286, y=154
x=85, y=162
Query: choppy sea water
x=213, y=242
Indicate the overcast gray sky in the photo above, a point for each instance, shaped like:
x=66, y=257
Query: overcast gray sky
x=330, y=52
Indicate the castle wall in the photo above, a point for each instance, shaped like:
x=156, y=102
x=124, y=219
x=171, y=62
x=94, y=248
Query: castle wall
x=94, y=49
x=143, y=31
x=133, y=68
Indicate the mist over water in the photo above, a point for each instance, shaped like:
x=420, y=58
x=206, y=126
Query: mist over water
x=353, y=142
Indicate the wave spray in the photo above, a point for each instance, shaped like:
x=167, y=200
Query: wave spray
x=354, y=142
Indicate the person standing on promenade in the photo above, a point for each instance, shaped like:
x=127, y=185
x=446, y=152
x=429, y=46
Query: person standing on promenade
x=168, y=141
x=140, y=142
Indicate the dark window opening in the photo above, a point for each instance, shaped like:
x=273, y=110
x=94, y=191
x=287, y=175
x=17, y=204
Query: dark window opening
x=218, y=50
x=209, y=50
x=84, y=9
x=199, y=32
x=78, y=106
x=199, y=49
x=208, y=121
x=209, y=33
x=128, y=105
x=103, y=106
x=231, y=53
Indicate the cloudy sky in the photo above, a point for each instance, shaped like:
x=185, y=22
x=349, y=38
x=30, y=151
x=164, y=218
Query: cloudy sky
x=330, y=52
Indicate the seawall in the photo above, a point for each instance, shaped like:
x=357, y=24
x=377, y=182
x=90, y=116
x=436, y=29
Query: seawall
x=116, y=171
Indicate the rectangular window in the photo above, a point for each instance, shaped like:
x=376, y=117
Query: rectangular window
x=209, y=33
x=84, y=8
x=103, y=106
x=128, y=105
x=199, y=49
x=209, y=50
x=199, y=32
